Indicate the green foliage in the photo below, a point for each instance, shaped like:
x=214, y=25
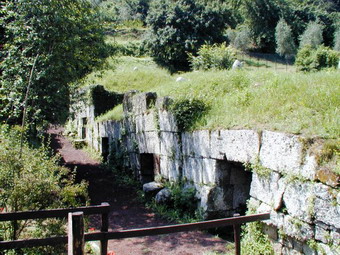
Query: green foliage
x=116, y=113
x=183, y=205
x=34, y=181
x=66, y=41
x=217, y=56
x=285, y=45
x=243, y=39
x=310, y=59
x=254, y=241
x=179, y=28
x=312, y=35
x=262, y=16
x=135, y=49
x=187, y=112
x=258, y=169
x=337, y=40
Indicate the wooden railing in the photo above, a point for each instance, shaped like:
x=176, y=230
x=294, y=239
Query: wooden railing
x=77, y=238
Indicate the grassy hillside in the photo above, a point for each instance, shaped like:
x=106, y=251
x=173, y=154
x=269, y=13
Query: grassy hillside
x=251, y=98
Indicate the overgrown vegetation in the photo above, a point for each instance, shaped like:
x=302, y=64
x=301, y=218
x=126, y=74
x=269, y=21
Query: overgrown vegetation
x=182, y=206
x=215, y=56
x=187, y=112
x=30, y=179
x=315, y=59
x=294, y=102
x=47, y=46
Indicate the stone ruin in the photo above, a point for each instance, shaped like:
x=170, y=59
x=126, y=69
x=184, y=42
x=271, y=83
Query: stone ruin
x=302, y=196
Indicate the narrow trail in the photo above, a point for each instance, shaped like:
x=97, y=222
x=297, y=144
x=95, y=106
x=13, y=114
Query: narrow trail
x=126, y=212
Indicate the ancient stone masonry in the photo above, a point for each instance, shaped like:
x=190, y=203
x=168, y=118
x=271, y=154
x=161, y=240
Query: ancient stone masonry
x=283, y=177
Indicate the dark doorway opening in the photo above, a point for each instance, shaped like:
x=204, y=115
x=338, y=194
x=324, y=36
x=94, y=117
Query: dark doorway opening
x=83, y=128
x=105, y=148
x=149, y=167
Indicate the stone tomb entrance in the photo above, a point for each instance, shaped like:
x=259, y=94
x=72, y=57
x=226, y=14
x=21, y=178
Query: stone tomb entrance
x=232, y=190
x=149, y=167
x=105, y=148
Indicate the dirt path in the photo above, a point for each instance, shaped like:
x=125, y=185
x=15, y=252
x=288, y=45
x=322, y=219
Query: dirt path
x=126, y=212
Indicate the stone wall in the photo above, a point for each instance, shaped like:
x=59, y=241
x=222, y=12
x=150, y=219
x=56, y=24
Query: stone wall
x=285, y=177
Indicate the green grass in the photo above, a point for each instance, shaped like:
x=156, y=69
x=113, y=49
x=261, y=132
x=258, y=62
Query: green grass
x=251, y=98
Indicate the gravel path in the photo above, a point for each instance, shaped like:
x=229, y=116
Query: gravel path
x=126, y=212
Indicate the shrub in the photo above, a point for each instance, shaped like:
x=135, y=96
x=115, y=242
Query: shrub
x=312, y=35
x=217, y=56
x=34, y=181
x=179, y=28
x=309, y=59
x=187, y=112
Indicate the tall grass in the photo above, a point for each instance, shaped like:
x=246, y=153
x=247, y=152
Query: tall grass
x=258, y=99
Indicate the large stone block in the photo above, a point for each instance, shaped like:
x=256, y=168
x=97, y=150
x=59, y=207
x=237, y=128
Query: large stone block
x=196, y=144
x=238, y=145
x=298, y=229
x=128, y=101
x=327, y=212
x=215, y=145
x=281, y=152
x=209, y=171
x=170, y=168
x=299, y=200
x=163, y=103
x=142, y=102
x=192, y=170
x=167, y=121
x=129, y=124
x=268, y=189
x=146, y=122
x=170, y=145
x=148, y=142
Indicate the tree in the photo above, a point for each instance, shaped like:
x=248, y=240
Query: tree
x=337, y=40
x=312, y=35
x=285, y=45
x=65, y=40
x=179, y=28
x=242, y=39
x=262, y=16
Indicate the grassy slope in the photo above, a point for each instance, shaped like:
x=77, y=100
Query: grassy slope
x=260, y=99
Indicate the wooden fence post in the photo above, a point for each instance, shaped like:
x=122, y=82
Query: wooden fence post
x=76, y=241
x=237, y=237
x=104, y=228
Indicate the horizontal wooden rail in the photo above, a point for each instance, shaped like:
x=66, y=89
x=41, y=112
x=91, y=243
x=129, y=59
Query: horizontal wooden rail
x=138, y=232
x=175, y=228
x=54, y=213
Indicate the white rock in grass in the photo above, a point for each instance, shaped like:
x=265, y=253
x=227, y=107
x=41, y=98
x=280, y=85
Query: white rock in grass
x=180, y=79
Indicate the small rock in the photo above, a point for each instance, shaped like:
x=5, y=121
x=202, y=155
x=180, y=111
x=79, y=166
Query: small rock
x=152, y=187
x=180, y=79
x=237, y=64
x=163, y=196
x=135, y=68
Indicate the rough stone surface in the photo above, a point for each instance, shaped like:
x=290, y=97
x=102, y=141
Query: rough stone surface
x=192, y=170
x=146, y=122
x=328, y=212
x=297, y=229
x=170, y=145
x=148, y=142
x=142, y=102
x=326, y=249
x=268, y=189
x=208, y=171
x=163, y=196
x=167, y=121
x=170, y=168
x=196, y=144
x=281, y=152
x=151, y=187
x=299, y=200
x=163, y=103
x=240, y=145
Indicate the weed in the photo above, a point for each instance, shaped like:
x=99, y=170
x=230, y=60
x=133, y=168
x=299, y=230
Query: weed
x=258, y=169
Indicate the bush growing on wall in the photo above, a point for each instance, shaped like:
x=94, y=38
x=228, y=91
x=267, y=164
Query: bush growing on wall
x=310, y=59
x=217, y=56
